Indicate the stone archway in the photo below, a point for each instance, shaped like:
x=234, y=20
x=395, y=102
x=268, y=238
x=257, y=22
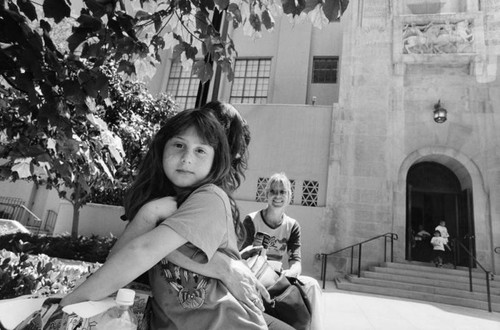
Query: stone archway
x=469, y=176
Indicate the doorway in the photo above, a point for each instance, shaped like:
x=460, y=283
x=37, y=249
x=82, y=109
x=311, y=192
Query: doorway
x=435, y=194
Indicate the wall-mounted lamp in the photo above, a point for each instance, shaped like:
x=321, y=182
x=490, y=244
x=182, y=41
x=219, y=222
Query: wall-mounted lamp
x=439, y=113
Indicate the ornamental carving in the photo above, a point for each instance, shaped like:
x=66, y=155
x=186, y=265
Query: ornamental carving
x=438, y=38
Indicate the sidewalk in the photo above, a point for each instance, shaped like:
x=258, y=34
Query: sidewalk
x=360, y=311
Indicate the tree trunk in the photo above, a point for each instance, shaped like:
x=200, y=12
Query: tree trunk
x=76, y=208
x=76, y=220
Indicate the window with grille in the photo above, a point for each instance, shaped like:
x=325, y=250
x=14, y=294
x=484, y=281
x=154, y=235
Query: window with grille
x=183, y=86
x=251, y=81
x=325, y=70
x=292, y=182
x=260, y=196
x=310, y=193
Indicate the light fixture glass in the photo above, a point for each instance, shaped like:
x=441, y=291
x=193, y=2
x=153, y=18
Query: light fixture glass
x=440, y=113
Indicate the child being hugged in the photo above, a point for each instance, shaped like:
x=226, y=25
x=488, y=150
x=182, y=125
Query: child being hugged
x=189, y=159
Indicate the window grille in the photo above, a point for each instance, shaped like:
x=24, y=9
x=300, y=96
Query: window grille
x=292, y=184
x=183, y=86
x=251, y=81
x=325, y=70
x=261, y=190
x=310, y=190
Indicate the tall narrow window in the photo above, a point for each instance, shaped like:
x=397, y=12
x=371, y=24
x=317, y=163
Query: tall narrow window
x=310, y=190
x=251, y=81
x=325, y=69
x=183, y=86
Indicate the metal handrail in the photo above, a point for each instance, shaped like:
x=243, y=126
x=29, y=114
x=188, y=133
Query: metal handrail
x=487, y=272
x=324, y=256
x=29, y=211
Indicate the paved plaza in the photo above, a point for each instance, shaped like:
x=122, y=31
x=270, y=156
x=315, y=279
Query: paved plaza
x=360, y=311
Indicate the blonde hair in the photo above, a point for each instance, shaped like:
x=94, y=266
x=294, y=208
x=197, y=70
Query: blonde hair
x=279, y=178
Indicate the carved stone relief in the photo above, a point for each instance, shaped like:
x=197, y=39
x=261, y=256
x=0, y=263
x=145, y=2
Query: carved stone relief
x=438, y=38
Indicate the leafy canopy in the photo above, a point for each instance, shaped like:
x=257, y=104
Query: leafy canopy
x=55, y=90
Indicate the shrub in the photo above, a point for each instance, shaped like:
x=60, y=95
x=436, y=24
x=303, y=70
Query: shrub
x=22, y=274
x=89, y=249
x=30, y=264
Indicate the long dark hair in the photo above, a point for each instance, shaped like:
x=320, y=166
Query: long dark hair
x=238, y=137
x=151, y=181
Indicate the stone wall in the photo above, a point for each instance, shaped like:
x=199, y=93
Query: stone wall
x=384, y=123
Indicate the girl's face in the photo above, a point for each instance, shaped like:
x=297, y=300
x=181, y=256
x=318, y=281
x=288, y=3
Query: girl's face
x=278, y=196
x=187, y=159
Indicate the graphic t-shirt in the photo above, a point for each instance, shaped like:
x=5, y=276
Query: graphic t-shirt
x=186, y=300
x=285, y=239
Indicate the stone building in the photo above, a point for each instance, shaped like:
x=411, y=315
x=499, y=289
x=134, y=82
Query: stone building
x=352, y=113
x=391, y=163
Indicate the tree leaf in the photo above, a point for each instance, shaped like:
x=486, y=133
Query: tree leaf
x=292, y=7
x=202, y=21
x=222, y=4
x=45, y=25
x=95, y=8
x=267, y=19
x=27, y=8
x=203, y=70
x=76, y=40
x=317, y=17
x=311, y=5
x=255, y=22
x=331, y=8
x=56, y=9
x=89, y=23
x=236, y=14
x=22, y=167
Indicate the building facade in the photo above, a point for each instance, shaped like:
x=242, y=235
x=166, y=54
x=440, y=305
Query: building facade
x=347, y=112
x=389, y=166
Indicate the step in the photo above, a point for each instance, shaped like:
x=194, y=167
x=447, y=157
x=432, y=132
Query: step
x=343, y=284
x=437, y=274
x=440, y=282
x=460, y=271
x=431, y=265
x=460, y=293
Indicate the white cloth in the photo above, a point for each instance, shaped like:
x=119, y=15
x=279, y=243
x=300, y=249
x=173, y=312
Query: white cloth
x=438, y=243
x=314, y=293
x=444, y=232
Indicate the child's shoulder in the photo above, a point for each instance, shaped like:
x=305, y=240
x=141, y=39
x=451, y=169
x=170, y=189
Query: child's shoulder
x=211, y=188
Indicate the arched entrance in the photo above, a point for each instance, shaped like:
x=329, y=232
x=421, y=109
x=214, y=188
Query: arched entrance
x=434, y=194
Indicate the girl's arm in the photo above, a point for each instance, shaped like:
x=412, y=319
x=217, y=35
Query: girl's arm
x=145, y=220
x=234, y=274
x=126, y=264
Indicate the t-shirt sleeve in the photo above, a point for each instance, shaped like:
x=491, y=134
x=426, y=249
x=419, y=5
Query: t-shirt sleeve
x=249, y=231
x=202, y=220
x=293, y=244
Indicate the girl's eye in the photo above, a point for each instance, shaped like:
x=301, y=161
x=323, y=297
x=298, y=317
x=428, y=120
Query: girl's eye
x=177, y=145
x=202, y=151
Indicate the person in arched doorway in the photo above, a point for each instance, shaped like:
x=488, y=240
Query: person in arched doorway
x=438, y=248
x=443, y=230
x=422, y=247
x=284, y=242
x=444, y=234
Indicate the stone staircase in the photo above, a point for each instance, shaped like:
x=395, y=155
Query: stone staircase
x=423, y=281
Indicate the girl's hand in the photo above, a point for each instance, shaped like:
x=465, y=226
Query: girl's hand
x=245, y=287
x=159, y=209
x=250, y=251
